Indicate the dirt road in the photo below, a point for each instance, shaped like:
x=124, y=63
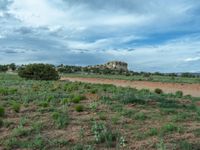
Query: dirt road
x=192, y=89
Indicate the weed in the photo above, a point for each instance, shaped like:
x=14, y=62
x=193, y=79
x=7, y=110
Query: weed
x=169, y=128
x=61, y=119
x=44, y=104
x=183, y=116
x=15, y=106
x=161, y=145
x=122, y=141
x=21, y=131
x=23, y=121
x=37, y=127
x=152, y=132
x=93, y=106
x=65, y=101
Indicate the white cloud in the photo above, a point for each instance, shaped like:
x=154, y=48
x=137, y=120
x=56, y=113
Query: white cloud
x=192, y=59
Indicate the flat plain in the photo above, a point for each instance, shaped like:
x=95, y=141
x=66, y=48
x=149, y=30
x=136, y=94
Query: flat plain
x=85, y=116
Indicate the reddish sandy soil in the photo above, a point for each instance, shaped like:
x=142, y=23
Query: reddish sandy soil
x=191, y=89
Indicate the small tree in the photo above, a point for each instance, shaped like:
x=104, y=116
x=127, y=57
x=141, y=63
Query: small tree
x=38, y=72
x=12, y=66
x=3, y=68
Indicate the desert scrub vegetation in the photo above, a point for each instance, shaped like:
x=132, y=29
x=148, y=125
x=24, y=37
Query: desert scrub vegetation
x=40, y=114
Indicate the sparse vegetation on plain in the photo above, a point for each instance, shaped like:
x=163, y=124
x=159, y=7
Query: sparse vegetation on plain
x=139, y=77
x=39, y=114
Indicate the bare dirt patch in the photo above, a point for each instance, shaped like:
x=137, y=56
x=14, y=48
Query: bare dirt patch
x=187, y=89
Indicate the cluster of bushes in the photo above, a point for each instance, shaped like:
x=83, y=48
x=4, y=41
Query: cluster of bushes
x=92, y=70
x=96, y=70
x=38, y=72
x=69, y=69
x=4, y=68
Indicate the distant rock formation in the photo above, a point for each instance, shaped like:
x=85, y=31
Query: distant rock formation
x=113, y=65
x=117, y=65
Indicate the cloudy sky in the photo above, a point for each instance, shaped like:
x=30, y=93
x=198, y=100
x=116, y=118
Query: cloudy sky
x=151, y=35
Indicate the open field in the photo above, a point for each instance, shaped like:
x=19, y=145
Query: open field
x=186, y=88
x=83, y=116
x=153, y=78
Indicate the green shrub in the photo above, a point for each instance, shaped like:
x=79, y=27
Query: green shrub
x=79, y=108
x=38, y=72
x=44, y=104
x=93, y=91
x=179, y=94
x=2, y=111
x=78, y=98
x=152, y=132
x=65, y=101
x=102, y=116
x=169, y=128
x=158, y=91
